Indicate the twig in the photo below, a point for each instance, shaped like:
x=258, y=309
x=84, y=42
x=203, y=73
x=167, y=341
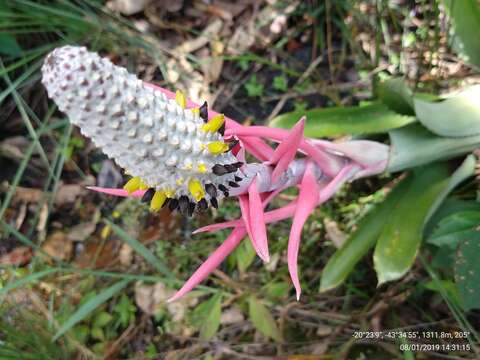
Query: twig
x=284, y=98
x=129, y=332
x=329, y=39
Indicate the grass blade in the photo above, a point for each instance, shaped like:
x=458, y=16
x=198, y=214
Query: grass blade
x=27, y=280
x=141, y=250
x=85, y=310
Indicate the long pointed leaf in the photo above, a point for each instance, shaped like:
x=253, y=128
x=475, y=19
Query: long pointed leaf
x=336, y=121
x=400, y=239
x=141, y=250
x=262, y=319
x=457, y=115
x=87, y=308
x=343, y=261
x=414, y=145
x=32, y=278
x=466, y=21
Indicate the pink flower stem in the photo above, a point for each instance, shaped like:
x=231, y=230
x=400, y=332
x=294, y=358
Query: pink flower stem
x=329, y=164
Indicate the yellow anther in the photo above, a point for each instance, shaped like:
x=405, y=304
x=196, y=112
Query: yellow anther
x=169, y=193
x=143, y=186
x=196, y=189
x=202, y=168
x=105, y=232
x=133, y=184
x=158, y=200
x=196, y=111
x=214, y=123
x=179, y=181
x=116, y=214
x=217, y=147
x=181, y=99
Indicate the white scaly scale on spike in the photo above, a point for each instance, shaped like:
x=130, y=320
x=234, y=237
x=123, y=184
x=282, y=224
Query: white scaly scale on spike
x=156, y=140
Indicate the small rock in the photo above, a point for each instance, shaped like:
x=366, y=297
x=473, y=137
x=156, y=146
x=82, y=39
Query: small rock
x=231, y=316
x=271, y=266
x=19, y=256
x=152, y=298
x=58, y=246
x=82, y=231
x=68, y=193
x=323, y=330
x=128, y=7
x=334, y=233
x=125, y=255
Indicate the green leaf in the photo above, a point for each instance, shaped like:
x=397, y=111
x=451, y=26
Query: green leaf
x=447, y=286
x=262, y=319
x=244, y=255
x=451, y=230
x=466, y=22
x=206, y=316
x=449, y=207
x=101, y=319
x=99, y=347
x=80, y=333
x=343, y=261
x=400, y=239
x=9, y=45
x=455, y=116
x=300, y=106
x=277, y=290
x=336, y=121
x=414, y=145
x=467, y=270
x=88, y=307
x=253, y=87
x=141, y=250
x=463, y=172
x=280, y=83
x=243, y=64
x=125, y=310
x=151, y=351
x=396, y=95
x=97, y=333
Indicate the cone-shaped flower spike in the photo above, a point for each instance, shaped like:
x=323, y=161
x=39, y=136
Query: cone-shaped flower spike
x=185, y=157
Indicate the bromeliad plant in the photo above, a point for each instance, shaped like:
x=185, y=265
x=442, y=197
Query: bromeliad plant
x=185, y=157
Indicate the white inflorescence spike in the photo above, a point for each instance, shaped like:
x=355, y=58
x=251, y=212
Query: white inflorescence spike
x=148, y=135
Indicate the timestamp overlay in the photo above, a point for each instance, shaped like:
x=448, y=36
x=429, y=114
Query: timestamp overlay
x=419, y=340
